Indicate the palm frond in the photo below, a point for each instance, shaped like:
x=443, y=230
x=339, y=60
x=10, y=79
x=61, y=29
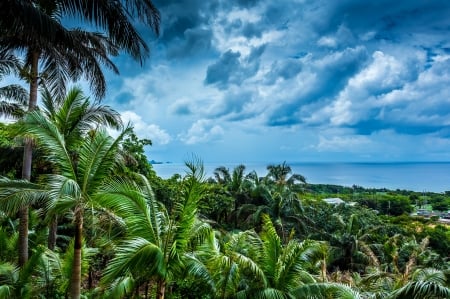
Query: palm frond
x=15, y=194
x=185, y=210
x=115, y=18
x=422, y=290
x=326, y=290
x=195, y=268
x=127, y=200
x=98, y=157
x=9, y=63
x=15, y=94
x=51, y=140
x=272, y=247
x=120, y=288
x=136, y=256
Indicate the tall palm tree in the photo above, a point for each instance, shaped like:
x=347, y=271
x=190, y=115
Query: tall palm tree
x=234, y=184
x=159, y=241
x=78, y=182
x=276, y=194
x=34, y=27
x=117, y=19
x=74, y=115
x=280, y=174
x=81, y=54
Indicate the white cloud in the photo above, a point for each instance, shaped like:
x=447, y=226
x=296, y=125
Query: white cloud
x=324, y=67
x=202, y=131
x=145, y=130
x=359, y=97
x=327, y=41
x=385, y=71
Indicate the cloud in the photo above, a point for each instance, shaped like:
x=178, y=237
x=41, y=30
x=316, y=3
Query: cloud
x=354, y=102
x=195, y=42
x=202, y=131
x=222, y=70
x=145, y=130
x=319, y=80
x=365, y=71
x=231, y=68
x=181, y=107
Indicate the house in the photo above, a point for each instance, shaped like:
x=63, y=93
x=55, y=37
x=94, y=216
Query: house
x=333, y=201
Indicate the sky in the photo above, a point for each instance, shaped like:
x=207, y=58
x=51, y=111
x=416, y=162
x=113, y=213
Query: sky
x=236, y=81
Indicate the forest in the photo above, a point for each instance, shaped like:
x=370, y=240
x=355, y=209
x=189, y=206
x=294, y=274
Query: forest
x=84, y=215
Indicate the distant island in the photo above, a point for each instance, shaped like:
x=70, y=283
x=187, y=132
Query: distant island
x=159, y=162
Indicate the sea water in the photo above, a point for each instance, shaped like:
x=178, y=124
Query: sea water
x=415, y=176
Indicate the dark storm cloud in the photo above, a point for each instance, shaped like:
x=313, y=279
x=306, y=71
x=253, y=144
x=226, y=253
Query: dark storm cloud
x=332, y=73
x=370, y=126
x=231, y=68
x=185, y=21
x=246, y=3
x=285, y=69
x=184, y=26
x=194, y=42
x=383, y=15
x=353, y=66
x=221, y=71
x=232, y=108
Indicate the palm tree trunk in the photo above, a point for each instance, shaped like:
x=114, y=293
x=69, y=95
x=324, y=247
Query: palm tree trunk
x=23, y=236
x=52, y=233
x=27, y=159
x=161, y=289
x=75, y=282
x=323, y=270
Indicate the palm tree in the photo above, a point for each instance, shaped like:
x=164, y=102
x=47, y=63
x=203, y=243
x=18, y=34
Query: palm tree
x=117, y=19
x=285, y=267
x=81, y=54
x=406, y=279
x=351, y=244
x=284, y=200
x=36, y=29
x=226, y=258
x=78, y=182
x=234, y=184
x=74, y=116
x=13, y=97
x=279, y=174
x=159, y=241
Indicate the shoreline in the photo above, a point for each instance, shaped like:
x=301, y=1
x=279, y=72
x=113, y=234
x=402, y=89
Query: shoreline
x=411, y=176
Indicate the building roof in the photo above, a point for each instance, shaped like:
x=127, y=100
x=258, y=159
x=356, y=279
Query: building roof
x=333, y=200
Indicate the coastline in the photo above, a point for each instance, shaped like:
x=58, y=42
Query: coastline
x=413, y=176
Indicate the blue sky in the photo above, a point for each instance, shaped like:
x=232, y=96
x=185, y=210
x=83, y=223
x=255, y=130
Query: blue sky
x=292, y=80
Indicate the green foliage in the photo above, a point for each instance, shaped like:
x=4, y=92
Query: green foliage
x=389, y=204
x=135, y=158
x=440, y=203
x=154, y=236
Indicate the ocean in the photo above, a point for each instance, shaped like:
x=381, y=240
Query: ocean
x=414, y=176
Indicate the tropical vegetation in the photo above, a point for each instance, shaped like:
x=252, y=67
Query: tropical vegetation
x=84, y=215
